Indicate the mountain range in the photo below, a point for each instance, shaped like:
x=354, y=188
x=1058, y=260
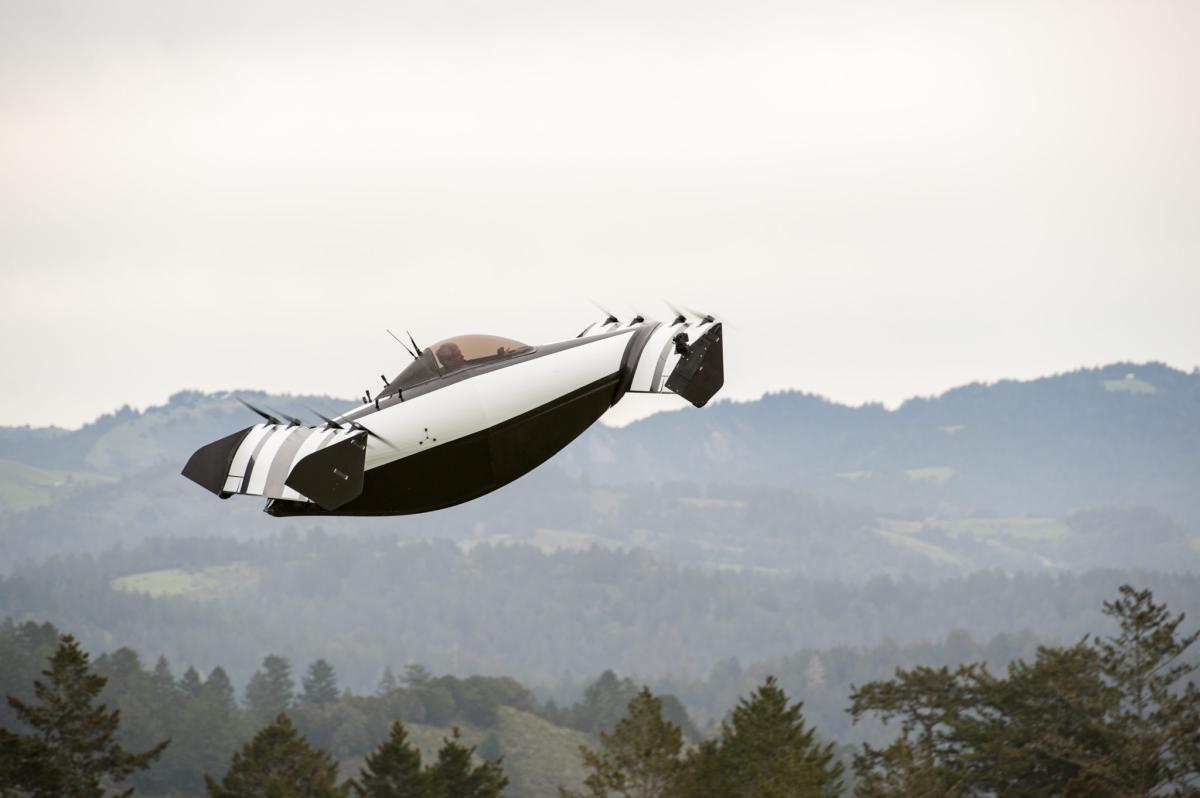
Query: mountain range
x=1097, y=467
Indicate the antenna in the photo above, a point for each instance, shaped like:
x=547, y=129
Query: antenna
x=406, y=349
x=414, y=343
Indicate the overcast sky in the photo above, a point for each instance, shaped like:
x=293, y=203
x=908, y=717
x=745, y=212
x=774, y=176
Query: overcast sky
x=886, y=199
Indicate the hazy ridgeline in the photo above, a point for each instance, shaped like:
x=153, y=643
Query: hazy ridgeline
x=821, y=543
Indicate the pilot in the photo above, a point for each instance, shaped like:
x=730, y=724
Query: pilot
x=450, y=356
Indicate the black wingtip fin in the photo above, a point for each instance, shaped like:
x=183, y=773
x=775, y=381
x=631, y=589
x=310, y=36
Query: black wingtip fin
x=209, y=466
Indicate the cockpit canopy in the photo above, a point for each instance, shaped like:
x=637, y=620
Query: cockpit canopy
x=451, y=354
x=461, y=350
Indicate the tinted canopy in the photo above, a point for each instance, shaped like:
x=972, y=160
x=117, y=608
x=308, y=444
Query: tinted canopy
x=452, y=354
x=462, y=350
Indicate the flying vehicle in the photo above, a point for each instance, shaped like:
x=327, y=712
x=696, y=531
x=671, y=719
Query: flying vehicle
x=468, y=415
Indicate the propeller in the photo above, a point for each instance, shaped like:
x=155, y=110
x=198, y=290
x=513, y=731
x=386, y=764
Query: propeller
x=612, y=317
x=292, y=420
x=680, y=316
x=357, y=426
x=707, y=318
x=329, y=422
x=270, y=418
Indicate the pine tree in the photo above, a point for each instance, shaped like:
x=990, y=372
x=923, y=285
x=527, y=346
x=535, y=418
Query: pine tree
x=164, y=680
x=455, y=775
x=72, y=750
x=765, y=750
x=1034, y=732
x=604, y=703
x=218, y=691
x=393, y=770
x=278, y=763
x=270, y=691
x=1156, y=723
x=388, y=684
x=930, y=703
x=1114, y=717
x=415, y=675
x=209, y=728
x=320, y=684
x=640, y=758
x=191, y=683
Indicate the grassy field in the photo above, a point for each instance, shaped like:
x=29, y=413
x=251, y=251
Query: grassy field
x=206, y=583
x=1130, y=384
x=910, y=541
x=938, y=475
x=1010, y=534
x=1018, y=527
x=24, y=487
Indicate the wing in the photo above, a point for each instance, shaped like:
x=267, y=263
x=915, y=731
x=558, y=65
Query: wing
x=279, y=461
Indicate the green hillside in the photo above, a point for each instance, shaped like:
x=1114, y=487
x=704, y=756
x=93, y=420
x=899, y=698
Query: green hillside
x=538, y=755
x=23, y=487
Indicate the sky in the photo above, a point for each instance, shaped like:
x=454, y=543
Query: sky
x=880, y=199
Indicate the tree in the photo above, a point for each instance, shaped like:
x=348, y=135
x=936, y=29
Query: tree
x=1035, y=732
x=455, y=775
x=218, y=690
x=191, y=683
x=929, y=702
x=164, y=680
x=640, y=758
x=320, y=684
x=415, y=675
x=1156, y=721
x=278, y=763
x=604, y=703
x=1117, y=716
x=208, y=728
x=387, y=684
x=764, y=750
x=72, y=750
x=270, y=690
x=393, y=770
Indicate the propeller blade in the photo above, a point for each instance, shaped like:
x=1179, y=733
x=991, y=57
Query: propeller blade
x=612, y=317
x=292, y=420
x=356, y=425
x=707, y=318
x=270, y=418
x=329, y=422
x=680, y=316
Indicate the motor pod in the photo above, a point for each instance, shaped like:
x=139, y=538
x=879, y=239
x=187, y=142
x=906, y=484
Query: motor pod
x=700, y=372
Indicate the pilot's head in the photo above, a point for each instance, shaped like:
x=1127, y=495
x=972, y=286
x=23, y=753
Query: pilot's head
x=450, y=355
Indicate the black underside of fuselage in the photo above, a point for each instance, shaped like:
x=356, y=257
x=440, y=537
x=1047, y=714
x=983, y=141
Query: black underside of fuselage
x=477, y=464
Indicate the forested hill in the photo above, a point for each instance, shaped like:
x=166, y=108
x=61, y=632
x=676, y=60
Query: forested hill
x=1096, y=468
x=1124, y=435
